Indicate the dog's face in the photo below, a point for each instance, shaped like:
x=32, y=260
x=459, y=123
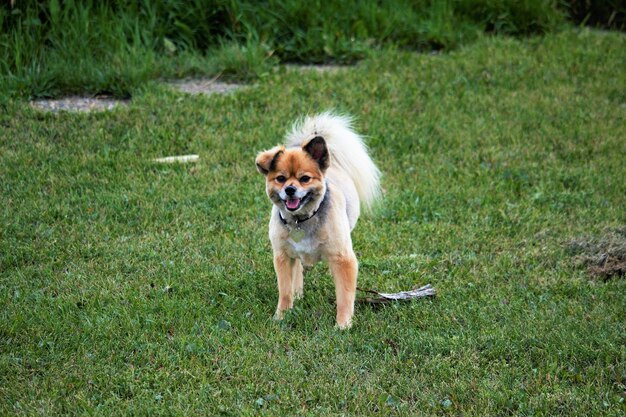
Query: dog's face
x=295, y=176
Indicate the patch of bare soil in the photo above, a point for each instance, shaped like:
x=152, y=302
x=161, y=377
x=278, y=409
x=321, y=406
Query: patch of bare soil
x=78, y=104
x=203, y=86
x=604, y=256
x=104, y=103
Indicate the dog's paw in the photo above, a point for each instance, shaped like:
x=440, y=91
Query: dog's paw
x=298, y=293
x=279, y=315
x=343, y=326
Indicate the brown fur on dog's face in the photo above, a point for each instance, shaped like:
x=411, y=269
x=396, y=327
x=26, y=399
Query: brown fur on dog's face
x=295, y=176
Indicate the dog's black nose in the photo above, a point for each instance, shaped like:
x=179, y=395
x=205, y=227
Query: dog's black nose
x=290, y=190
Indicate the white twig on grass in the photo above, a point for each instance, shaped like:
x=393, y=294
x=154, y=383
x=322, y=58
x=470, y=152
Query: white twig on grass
x=425, y=291
x=183, y=159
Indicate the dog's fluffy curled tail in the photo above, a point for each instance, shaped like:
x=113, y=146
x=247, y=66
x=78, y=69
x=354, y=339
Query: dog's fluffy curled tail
x=347, y=150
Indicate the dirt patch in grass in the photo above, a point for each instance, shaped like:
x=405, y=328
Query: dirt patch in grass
x=78, y=104
x=104, y=103
x=203, y=86
x=604, y=256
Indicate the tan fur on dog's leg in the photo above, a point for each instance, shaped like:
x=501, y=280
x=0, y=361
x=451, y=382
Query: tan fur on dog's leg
x=298, y=280
x=344, y=270
x=284, y=267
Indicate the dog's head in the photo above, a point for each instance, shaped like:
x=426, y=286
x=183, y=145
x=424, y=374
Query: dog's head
x=295, y=176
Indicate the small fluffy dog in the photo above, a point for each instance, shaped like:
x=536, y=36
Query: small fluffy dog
x=318, y=183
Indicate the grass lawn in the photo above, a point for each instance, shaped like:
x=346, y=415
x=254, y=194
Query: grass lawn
x=134, y=288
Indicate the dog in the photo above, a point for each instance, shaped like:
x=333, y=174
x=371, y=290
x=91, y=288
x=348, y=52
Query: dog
x=318, y=182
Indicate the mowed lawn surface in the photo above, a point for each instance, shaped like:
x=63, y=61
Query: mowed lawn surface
x=128, y=287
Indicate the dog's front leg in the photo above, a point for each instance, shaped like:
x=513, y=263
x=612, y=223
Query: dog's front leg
x=298, y=279
x=344, y=269
x=284, y=266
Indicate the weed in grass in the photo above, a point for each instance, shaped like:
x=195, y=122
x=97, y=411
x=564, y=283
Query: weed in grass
x=605, y=256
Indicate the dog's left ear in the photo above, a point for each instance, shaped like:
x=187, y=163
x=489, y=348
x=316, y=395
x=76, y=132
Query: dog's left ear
x=318, y=151
x=266, y=161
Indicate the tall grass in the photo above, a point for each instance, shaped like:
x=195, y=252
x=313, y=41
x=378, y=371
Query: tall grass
x=84, y=46
x=51, y=47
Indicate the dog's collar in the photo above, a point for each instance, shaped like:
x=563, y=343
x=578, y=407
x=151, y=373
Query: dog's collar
x=298, y=221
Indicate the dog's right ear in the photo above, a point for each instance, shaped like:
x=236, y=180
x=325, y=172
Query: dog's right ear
x=266, y=160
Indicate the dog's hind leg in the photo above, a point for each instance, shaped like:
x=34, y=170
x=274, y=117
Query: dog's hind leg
x=344, y=269
x=298, y=280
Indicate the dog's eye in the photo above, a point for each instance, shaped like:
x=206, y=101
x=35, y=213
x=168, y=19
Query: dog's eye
x=305, y=179
x=281, y=179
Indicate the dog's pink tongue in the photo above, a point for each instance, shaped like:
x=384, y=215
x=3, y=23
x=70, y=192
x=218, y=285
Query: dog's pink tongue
x=293, y=203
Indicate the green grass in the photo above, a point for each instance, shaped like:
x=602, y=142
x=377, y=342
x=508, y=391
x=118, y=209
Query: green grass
x=51, y=48
x=133, y=288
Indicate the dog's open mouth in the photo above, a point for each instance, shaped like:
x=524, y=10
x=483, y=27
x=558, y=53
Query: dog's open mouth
x=294, y=203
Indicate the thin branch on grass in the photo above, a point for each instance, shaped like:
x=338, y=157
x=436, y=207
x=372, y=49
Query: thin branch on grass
x=381, y=297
